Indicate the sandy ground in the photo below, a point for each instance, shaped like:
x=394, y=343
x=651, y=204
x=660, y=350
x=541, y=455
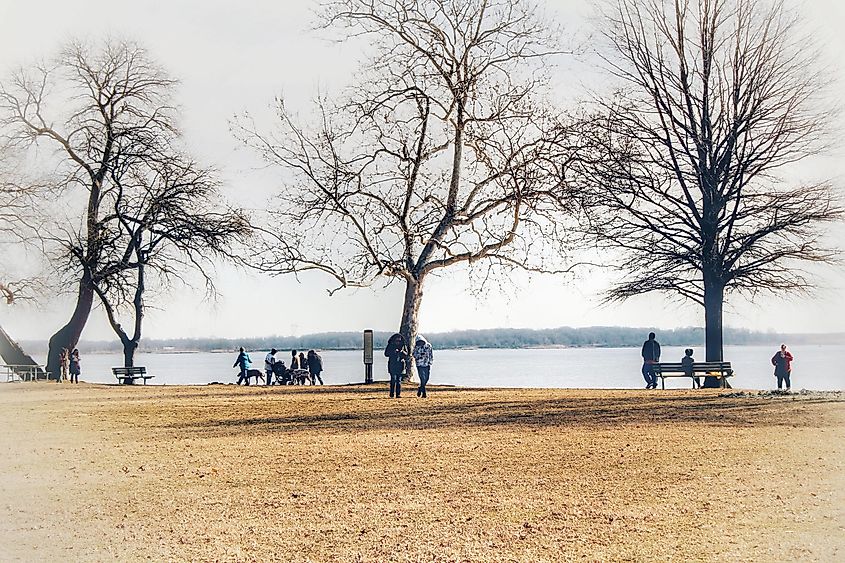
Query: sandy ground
x=99, y=473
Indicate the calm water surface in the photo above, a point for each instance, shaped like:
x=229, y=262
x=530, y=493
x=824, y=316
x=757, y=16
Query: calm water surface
x=815, y=367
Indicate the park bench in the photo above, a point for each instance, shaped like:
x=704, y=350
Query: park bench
x=128, y=376
x=719, y=370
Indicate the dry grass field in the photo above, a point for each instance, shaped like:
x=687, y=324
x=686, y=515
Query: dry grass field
x=224, y=473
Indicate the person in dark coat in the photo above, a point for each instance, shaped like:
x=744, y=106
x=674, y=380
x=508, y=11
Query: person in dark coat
x=651, y=356
x=75, y=367
x=294, y=360
x=315, y=366
x=686, y=362
x=397, y=362
x=782, y=360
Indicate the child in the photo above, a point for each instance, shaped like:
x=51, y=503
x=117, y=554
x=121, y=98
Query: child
x=686, y=363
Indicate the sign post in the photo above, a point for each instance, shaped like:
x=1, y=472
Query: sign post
x=368, y=356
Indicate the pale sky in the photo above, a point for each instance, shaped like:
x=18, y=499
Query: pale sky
x=236, y=56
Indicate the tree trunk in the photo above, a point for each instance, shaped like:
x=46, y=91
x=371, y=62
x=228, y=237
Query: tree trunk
x=68, y=336
x=410, y=313
x=129, y=347
x=714, y=297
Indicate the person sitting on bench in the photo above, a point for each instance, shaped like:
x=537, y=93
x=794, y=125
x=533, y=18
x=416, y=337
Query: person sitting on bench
x=686, y=363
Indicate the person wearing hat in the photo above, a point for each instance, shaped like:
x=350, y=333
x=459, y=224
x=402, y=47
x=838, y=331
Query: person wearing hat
x=269, y=360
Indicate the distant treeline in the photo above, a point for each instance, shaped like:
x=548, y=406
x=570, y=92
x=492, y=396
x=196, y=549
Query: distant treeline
x=597, y=337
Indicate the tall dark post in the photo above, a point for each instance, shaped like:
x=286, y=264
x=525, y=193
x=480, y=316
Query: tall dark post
x=368, y=356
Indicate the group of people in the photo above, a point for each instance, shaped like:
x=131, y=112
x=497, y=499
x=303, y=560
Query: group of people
x=399, y=363
x=782, y=361
x=70, y=366
x=303, y=368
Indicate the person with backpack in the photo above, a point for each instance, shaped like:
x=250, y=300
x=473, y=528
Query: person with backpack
x=423, y=357
x=397, y=362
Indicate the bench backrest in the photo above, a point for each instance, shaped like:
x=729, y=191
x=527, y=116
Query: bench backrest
x=139, y=370
x=696, y=366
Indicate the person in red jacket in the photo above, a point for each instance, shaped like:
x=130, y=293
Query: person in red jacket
x=782, y=360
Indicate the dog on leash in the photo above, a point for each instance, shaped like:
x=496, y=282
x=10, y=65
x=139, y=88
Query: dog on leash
x=256, y=373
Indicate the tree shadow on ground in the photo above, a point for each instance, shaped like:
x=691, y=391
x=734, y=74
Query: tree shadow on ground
x=484, y=412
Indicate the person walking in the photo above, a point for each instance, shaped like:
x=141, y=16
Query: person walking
x=423, y=357
x=75, y=368
x=651, y=356
x=782, y=360
x=269, y=360
x=315, y=366
x=243, y=362
x=397, y=360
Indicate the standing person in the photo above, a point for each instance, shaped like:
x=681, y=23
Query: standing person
x=397, y=360
x=303, y=363
x=315, y=366
x=782, y=360
x=686, y=363
x=651, y=356
x=64, y=363
x=294, y=360
x=269, y=360
x=75, y=366
x=243, y=362
x=424, y=357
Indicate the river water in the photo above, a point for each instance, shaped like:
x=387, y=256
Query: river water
x=814, y=368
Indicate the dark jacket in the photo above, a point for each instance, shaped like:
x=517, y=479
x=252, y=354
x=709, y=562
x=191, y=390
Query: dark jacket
x=315, y=363
x=397, y=358
x=783, y=364
x=651, y=351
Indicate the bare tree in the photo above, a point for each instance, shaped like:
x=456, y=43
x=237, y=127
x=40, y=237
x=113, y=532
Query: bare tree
x=20, y=217
x=444, y=153
x=721, y=96
x=167, y=219
x=89, y=107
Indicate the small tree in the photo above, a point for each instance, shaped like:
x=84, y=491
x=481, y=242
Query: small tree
x=167, y=219
x=444, y=153
x=720, y=97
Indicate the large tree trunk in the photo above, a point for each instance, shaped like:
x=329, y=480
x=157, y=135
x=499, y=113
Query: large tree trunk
x=68, y=336
x=714, y=297
x=129, y=347
x=410, y=314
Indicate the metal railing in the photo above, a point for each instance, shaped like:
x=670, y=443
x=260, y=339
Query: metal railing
x=20, y=372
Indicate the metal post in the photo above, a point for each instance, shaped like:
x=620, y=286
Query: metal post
x=368, y=356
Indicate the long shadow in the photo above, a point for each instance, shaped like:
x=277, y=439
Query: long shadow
x=713, y=410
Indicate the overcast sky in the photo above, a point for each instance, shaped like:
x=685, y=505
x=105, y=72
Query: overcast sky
x=236, y=56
